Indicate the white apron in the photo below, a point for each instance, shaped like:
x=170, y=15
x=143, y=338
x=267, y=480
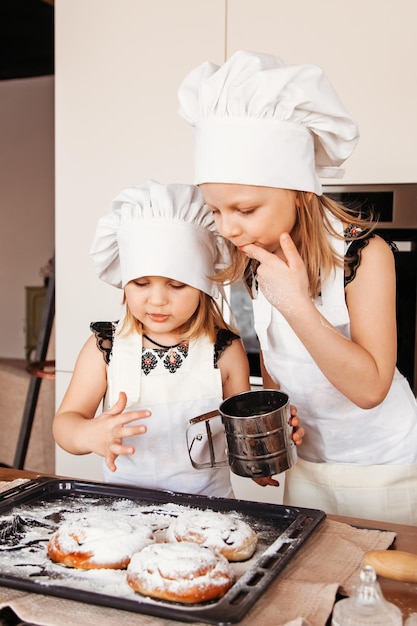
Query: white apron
x=345, y=448
x=161, y=460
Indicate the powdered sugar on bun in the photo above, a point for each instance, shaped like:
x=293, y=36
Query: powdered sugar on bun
x=95, y=544
x=180, y=572
x=225, y=534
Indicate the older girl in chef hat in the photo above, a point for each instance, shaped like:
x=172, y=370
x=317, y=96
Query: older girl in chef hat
x=171, y=358
x=322, y=283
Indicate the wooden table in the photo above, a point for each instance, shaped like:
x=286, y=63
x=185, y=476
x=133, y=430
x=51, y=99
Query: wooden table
x=404, y=595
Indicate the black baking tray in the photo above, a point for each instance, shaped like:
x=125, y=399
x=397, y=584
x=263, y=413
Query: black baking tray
x=31, y=512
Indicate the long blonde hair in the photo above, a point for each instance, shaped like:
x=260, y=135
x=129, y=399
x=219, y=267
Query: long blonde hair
x=206, y=320
x=310, y=235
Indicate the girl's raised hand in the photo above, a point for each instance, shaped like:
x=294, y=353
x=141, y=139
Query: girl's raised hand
x=111, y=427
x=283, y=281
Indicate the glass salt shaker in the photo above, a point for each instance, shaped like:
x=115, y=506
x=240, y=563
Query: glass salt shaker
x=367, y=606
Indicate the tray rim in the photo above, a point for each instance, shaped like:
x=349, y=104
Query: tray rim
x=222, y=612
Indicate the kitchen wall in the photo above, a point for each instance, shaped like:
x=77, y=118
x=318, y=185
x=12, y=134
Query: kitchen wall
x=118, y=67
x=368, y=50
x=27, y=206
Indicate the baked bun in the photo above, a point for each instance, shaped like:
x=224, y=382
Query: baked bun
x=227, y=535
x=97, y=544
x=180, y=572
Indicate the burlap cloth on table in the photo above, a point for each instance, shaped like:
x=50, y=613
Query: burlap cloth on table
x=302, y=596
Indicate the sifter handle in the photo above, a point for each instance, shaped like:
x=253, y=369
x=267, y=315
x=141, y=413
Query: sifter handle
x=203, y=417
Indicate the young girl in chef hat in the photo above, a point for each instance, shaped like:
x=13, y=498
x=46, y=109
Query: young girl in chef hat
x=171, y=358
x=322, y=283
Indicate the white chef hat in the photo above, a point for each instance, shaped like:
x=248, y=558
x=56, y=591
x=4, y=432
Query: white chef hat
x=158, y=230
x=260, y=121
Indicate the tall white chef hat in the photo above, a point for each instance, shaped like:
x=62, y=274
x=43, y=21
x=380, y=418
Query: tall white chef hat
x=260, y=121
x=158, y=230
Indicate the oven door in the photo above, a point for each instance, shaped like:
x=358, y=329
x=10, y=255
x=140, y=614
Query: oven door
x=241, y=305
x=406, y=268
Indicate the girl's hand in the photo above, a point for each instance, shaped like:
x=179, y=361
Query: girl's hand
x=283, y=281
x=111, y=427
x=266, y=481
x=298, y=431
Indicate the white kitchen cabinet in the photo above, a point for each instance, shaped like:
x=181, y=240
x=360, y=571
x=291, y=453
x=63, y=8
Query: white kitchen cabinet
x=368, y=50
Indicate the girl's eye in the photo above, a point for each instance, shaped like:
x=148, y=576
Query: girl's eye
x=178, y=285
x=140, y=284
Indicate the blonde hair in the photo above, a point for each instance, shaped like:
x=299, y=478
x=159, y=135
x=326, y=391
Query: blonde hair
x=206, y=320
x=310, y=236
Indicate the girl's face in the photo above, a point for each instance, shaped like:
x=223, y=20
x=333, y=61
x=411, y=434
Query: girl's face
x=247, y=214
x=162, y=305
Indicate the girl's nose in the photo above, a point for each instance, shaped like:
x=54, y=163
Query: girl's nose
x=158, y=295
x=227, y=226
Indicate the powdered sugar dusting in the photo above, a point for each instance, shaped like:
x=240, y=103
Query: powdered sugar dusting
x=27, y=528
x=178, y=569
x=223, y=533
x=100, y=541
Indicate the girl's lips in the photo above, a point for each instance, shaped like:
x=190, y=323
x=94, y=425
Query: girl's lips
x=157, y=317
